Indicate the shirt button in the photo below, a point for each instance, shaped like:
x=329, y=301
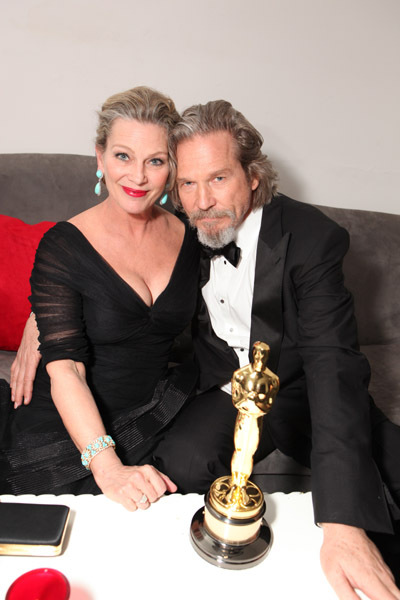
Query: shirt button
x=241, y=349
x=224, y=262
x=222, y=300
x=231, y=329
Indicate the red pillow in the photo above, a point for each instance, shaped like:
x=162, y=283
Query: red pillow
x=18, y=243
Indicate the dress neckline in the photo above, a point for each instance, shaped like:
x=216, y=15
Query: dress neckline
x=115, y=273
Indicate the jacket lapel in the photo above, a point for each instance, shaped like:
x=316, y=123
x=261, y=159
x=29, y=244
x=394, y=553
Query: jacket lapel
x=266, y=322
x=205, y=265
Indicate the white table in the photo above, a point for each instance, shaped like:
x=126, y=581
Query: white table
x=112, y=554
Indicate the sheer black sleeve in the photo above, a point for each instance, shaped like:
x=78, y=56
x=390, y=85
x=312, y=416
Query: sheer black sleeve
x=56, y=300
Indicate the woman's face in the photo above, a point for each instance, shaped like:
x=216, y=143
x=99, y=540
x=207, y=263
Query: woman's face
x=135, y=164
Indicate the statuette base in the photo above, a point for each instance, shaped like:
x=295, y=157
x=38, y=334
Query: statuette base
x=230, y=543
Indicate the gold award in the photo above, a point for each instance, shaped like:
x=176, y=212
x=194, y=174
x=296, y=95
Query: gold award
x=229, y=531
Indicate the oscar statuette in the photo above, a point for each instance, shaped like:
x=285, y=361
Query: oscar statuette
x=229, y=531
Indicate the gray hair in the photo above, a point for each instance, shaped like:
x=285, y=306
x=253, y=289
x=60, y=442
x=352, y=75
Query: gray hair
x=219, y=115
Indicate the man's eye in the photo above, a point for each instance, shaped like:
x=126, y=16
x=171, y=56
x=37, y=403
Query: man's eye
x=122, y=156
x=219, y=178
x=187, y=183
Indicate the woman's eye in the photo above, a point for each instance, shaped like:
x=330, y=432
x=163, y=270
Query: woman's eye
x=156, y=161
x=122, y=156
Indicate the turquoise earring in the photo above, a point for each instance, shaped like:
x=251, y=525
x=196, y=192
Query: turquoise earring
x=97, y=188
x=164, y=199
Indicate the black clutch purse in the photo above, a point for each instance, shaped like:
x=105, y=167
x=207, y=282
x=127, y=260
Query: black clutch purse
x=32, y=529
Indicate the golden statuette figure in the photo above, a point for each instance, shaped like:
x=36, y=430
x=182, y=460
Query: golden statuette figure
x=254, y=388
x=230, y=531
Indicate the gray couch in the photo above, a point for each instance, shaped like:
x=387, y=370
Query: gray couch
x=53, y=187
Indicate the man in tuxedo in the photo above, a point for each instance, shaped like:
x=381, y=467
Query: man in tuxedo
x=285, y=287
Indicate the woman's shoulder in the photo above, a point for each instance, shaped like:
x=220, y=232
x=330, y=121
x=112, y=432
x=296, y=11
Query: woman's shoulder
x=61, y=229
x=61, y=233
x=61, y=249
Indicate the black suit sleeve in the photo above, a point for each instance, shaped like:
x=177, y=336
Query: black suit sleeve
x=346, y=484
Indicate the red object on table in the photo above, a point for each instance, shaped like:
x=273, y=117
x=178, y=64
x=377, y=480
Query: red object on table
x=40, y=584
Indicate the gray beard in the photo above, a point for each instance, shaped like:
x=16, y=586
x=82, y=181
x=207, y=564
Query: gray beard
x=218, y=239
x=215, y=239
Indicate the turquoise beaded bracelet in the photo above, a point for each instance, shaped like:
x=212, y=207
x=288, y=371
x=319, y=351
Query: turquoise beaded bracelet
x=98, y=445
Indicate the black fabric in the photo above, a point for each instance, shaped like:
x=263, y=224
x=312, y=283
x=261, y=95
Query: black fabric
x=6, y=408
x=198, y=446
x=87, y=313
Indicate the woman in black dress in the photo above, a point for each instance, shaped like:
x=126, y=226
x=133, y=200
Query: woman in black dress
x=111, y=290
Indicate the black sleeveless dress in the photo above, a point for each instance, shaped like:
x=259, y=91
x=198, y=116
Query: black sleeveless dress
x=86, y=312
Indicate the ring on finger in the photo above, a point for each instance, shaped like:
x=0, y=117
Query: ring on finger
x=143, y=499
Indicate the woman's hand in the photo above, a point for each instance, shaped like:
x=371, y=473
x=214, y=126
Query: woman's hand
x=133, y=487
x=23, y=369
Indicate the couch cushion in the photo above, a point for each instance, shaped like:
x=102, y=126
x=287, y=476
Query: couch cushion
x=385, y=380
x=53, y=187
x=18, y=243
x=372, y=272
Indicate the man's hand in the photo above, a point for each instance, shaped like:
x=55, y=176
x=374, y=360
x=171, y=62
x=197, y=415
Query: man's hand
x=23, y=369
x=351, y=561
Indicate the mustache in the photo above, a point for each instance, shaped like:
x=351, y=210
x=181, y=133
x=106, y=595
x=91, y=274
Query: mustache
x=211, y=213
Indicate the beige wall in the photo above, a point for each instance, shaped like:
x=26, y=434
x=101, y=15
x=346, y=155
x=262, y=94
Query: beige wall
x=319, y=78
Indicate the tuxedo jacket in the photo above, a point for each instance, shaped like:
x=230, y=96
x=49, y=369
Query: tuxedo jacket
x=302, y=310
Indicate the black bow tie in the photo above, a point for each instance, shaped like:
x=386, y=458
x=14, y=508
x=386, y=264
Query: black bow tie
x=230, y=251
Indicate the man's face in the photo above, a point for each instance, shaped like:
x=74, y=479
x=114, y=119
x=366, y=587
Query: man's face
x=213, y=187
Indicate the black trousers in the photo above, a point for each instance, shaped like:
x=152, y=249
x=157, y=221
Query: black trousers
x=197, y=446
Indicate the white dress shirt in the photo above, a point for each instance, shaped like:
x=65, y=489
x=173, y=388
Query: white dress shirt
x=229, y=291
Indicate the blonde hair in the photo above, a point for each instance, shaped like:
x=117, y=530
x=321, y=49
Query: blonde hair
x=219, y=115
x=143, y=104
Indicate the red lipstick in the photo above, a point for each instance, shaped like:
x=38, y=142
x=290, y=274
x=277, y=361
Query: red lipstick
x=134, y=193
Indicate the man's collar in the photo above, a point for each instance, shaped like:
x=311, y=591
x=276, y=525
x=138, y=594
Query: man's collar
x=248, y=230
